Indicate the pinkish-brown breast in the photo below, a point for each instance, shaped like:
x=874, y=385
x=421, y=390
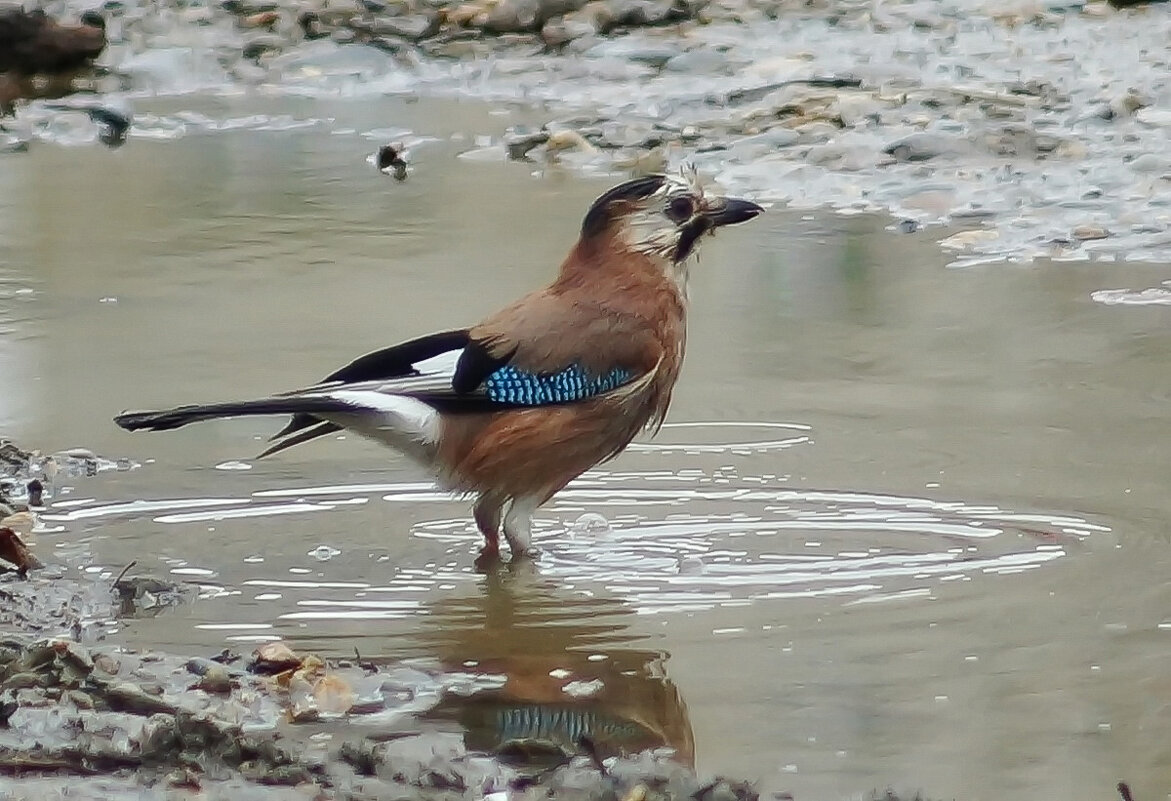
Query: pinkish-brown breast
x=606, y=310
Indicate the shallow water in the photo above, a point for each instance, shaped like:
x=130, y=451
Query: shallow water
x=908, y=524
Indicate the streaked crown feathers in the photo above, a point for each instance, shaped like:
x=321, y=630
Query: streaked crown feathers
x=659, y=215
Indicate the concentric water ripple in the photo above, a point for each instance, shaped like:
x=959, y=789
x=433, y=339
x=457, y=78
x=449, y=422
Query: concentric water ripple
x=663, y=540
x=688, y=549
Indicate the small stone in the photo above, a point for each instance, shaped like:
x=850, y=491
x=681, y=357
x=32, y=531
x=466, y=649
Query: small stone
x=108, y=664
x=656, y=57
x=411, y=26
x=184, y=778
x=262, y=45
x=263, y=19
x=568, y=140
x=967, y=239
x=560, y=32
x=701, y=60
x=510, y=16
x=24, y=681
x=80, y=699
x=1089, y=231
x=127, y=697
x=921, y=147
x=274, y=657
x=518, y=143
x=215, y=681
x=333, y=694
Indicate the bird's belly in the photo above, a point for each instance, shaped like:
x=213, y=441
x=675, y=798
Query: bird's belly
x=532, y=452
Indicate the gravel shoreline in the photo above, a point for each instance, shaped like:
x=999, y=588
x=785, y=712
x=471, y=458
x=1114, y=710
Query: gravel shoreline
x=1018, y=128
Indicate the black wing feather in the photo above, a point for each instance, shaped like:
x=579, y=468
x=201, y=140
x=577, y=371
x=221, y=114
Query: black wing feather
x=397, y=361
x=474, y=366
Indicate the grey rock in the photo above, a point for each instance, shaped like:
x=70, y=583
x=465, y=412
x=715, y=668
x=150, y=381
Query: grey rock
x=520, y=16
x=262, y=45
x=703, y=60
x=248, y=7
x=771, y=139
x=519, y=143
x=923, y=146
x=560, y=32
x=512, y=16
x=411, y=26
x=1088, y=231
x=637, y=13
x=643, y=54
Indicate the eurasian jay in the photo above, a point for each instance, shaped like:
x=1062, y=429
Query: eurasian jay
x=511, y=410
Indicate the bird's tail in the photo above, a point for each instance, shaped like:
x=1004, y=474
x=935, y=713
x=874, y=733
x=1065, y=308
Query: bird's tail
x=184, y=415
x=403, y=422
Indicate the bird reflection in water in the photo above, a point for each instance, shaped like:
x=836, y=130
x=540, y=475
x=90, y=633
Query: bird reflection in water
x=569, y=668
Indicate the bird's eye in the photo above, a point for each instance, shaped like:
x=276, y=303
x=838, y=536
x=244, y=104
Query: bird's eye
x=680, y=209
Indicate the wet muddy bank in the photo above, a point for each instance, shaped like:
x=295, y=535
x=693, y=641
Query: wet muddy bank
x=78, y=707
x=112, y=722
x=285, y=725
x=1019, y=129
x=81, y=709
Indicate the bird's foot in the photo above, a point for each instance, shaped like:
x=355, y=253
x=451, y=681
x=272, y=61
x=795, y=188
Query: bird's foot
x=530, y=553
x=489, y=557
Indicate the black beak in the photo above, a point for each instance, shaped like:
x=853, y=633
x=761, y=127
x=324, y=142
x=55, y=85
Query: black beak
x=733, y=211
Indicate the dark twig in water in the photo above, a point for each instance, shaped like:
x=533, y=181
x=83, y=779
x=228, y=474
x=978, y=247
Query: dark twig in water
x=125, y=570
x=757, y=92
x=1124, y=791
x=366, y=665
x=18, y=764
x=587, y=744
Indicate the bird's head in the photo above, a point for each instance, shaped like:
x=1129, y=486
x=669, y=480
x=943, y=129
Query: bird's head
x=663, y=217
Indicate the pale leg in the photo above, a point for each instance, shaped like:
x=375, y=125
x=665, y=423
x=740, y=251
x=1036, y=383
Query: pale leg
x=487, y=513
x=518, y=525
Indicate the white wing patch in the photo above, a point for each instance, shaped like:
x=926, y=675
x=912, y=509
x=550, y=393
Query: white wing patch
x=443, y=364
x=388, y=418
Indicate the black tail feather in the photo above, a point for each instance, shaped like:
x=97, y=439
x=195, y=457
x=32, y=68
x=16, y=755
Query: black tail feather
x=185, y=415
x=319, y=430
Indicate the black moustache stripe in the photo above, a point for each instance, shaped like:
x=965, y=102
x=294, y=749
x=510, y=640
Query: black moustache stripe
x=689, y=236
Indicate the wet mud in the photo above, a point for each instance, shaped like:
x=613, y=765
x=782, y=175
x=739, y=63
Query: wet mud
x=78, y=707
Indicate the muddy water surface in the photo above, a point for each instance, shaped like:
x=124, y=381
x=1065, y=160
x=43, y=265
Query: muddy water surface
x=908, y=524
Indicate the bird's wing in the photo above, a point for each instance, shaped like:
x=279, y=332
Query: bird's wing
x=552, y=353
x=548, y=349
x=542, y=350
x=420, y=365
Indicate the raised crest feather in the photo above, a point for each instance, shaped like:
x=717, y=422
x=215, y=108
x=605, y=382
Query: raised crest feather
x=599, y=215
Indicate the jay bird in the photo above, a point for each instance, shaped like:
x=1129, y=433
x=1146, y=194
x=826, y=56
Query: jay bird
x=511, y=410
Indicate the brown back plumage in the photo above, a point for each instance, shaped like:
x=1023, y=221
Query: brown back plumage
x=608, y=308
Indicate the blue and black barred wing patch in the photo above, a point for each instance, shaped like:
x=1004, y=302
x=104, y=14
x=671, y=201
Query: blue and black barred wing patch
x=516, y=387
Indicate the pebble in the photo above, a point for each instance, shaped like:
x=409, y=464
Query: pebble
x=922, y=147
x=1089, y=231
x=967, y=239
